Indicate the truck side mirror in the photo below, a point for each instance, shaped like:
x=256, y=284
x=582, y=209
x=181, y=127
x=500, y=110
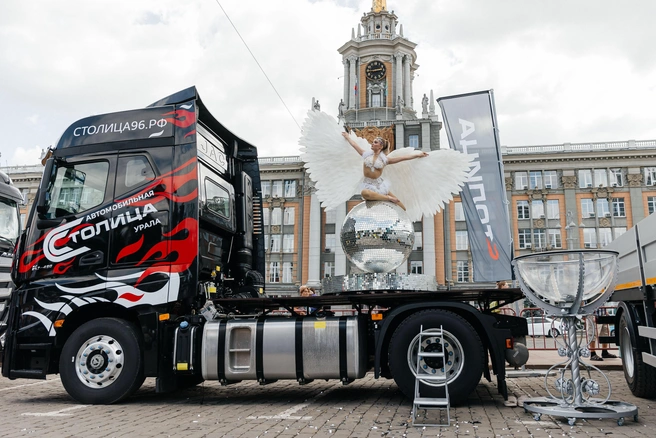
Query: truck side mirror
x=43, y=196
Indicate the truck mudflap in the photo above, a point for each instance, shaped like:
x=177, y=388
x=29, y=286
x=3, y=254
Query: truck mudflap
x=260, y=349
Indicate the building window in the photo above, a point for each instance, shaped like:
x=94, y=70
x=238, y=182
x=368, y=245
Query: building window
x=416, y=267
x=539, y=238
x=276, y=216
x=462, y=271
x=330, y=242
x=651, y=204
x=603, y=209
x=535, y=179
x=550, y=179
x=616, y=178
x=553, y=209
x=266, y=215
x=650, y=176
x=413, y=141
x=290, y=213
x=601, y=178
x=605, y=236
x=587, y=208
x=585, y=178
x=290, y=188
x=276, y=189
x=618, y=207
x=459, y=212
x=522, y=210
x=266, y=243
x=618, y=231
x=419, y=243
x=287, y=268
x=328, y=269
x=537, y=208
x=521, y=181
x=554, y=238
x=589, y=238
x=274, y=272
x=266, y=188
x=275, y=242
x=288, y=243
x=331, y=216
x=524, y=238
x=462, y=241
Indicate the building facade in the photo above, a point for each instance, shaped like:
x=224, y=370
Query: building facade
x=560, y=196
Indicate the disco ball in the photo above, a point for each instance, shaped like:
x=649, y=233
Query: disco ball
x=377, y=236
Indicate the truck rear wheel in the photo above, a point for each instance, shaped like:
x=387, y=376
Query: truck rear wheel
x=101, y=362
x=463, y=364
x=640, y=377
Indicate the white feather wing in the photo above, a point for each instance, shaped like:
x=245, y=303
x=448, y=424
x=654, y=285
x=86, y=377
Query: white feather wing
x=333, y=165
x=425, y=184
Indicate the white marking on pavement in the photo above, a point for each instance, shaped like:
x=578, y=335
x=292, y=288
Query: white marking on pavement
x=287, y=415
x=28, y=384
x=55, y=413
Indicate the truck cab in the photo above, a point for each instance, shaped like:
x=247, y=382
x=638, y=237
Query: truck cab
x=139, y=214
x=10, y=199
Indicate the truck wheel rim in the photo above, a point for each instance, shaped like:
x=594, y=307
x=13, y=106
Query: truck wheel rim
x=99, y=361
x=450, y=366
x=627, y=351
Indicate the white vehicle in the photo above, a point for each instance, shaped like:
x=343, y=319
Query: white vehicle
x=544, y=325
x=634, y=324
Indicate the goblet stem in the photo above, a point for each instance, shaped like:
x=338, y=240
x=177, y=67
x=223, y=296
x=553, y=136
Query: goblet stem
x=574, y=348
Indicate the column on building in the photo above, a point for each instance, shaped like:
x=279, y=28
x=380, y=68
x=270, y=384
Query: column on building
x=407, y=80
x=347, y=83
x=399, y=136
x=398, y=77
x=425, y=136
x=340, y=256
x=428, y=227
x=314, y=250
x=353, y=82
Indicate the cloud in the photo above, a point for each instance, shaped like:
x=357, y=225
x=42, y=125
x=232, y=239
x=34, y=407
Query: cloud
x=562, y=71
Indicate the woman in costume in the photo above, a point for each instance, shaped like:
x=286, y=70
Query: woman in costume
x=374, y=187
x=420, y=186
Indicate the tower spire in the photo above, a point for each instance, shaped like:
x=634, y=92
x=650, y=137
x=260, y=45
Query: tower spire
x=379, y=5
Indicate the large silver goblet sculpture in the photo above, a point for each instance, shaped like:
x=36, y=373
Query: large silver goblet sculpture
x=569, y=285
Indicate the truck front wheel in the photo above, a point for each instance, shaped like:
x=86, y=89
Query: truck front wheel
x=640, y=377
x=101, y=362
x=463, y=362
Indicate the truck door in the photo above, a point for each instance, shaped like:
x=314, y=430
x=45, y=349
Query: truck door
x=140, y=253
x=63, y=258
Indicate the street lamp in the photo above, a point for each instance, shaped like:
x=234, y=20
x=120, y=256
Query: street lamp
x=572, y=229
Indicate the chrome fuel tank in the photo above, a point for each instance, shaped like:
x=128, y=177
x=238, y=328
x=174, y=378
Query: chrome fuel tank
x=272, y=348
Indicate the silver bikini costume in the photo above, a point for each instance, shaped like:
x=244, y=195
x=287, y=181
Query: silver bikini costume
x=378, y=185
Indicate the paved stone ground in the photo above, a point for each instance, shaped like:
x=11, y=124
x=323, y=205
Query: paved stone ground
x=365, y=408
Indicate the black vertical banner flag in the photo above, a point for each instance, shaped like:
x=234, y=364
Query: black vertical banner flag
x=470, y=122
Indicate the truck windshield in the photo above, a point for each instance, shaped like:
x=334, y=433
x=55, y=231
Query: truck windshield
x=9, y=225
x=76, y=188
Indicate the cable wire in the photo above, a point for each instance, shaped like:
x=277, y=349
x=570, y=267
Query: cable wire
x=258, y=64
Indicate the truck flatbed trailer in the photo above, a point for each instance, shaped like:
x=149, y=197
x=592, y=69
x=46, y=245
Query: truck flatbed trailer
x=482, y=296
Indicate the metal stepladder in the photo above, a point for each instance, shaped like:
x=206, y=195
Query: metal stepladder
x=425, y=351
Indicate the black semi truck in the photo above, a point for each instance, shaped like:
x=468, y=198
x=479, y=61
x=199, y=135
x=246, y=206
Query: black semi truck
x=143, y=256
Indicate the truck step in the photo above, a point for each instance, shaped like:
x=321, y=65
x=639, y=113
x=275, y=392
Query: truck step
x=431, y=378
x=27, y=374
x=424, y=401
x=39, y=346
x=430, y=354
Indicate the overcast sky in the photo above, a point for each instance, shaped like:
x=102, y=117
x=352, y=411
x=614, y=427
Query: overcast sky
x=561, y=70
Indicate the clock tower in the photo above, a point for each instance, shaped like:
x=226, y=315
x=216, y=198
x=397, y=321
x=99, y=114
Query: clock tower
x=379, y=65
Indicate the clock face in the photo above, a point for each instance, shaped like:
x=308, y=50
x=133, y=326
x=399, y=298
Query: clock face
x=375, y=70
